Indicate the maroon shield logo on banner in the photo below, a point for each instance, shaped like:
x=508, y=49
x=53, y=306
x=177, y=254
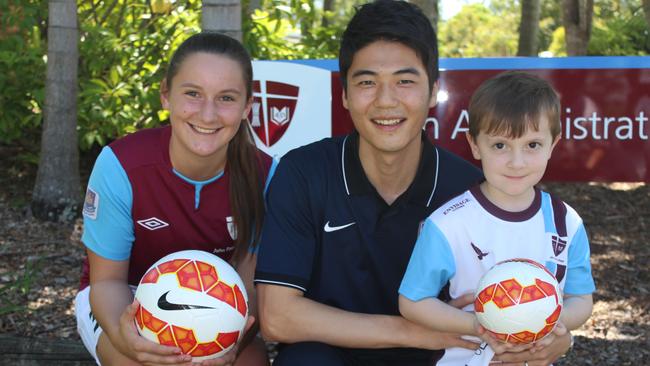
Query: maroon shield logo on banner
x=273, y=108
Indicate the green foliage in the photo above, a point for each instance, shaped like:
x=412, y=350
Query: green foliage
x=124, y=50
x=558, y=44
x=125, y=45
x=477, y=31
x=550, y=20
x=22, y=80
x=294, y=29
x=619, y=29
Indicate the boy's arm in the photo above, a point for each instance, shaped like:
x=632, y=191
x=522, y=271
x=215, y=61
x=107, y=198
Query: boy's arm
x=437, y=315
x=577, y=309
x=287, y=316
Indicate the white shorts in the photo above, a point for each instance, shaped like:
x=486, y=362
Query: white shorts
x=87, y=326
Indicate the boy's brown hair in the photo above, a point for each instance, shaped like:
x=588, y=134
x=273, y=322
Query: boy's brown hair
x=511, y=102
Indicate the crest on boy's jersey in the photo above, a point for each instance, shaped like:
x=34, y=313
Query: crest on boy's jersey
x=273, y=108
x=232, y=229
x=558, y=244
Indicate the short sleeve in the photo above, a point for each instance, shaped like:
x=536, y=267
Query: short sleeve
x=579, y=280
x=287, y=246
x=431, y=264
x=108, y=224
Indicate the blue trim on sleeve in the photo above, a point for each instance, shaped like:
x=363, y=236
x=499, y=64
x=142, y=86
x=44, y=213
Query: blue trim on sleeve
x=110, y=235
x=431, y=265
x=579, y=280
x=520, y=63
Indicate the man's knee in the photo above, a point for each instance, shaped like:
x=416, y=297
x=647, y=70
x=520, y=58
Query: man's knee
x=309, y=353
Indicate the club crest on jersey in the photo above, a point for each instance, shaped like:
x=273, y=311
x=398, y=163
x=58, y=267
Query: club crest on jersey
x=232, y=229
x=91, y=204
x=558, y=244
x=272, y=109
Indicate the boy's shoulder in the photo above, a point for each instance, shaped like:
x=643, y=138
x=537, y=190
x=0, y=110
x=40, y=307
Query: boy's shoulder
x=456, y=207
x=563, y=212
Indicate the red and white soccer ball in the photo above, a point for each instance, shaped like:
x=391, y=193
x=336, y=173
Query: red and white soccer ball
x=518, y=301
x=193, y=300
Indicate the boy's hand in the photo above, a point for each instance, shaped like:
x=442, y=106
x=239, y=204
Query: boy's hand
x=498, y=346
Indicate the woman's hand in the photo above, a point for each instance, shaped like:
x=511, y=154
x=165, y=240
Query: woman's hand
x=229, y=358
x=141, y=349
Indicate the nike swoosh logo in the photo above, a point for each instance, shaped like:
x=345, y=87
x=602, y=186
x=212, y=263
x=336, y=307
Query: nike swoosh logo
x=329, y=229
x=166, y=305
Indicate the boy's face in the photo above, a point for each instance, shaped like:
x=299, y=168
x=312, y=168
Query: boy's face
x=512, y=166
x=388, y=97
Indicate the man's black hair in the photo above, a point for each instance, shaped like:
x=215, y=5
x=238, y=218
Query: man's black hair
x=390, y=20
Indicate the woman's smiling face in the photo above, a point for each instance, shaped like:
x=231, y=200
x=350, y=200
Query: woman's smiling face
x=207, y=101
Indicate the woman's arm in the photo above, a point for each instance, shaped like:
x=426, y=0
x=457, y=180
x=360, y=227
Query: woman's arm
x=111, y=301
x=246, y=270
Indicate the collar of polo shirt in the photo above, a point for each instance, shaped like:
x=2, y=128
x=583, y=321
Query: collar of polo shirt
x=421, y=190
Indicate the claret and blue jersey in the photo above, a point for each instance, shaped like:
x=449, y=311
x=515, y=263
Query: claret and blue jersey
x=139, y=208
x=465, y=237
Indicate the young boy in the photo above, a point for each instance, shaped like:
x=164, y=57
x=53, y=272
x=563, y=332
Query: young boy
x=514, y=124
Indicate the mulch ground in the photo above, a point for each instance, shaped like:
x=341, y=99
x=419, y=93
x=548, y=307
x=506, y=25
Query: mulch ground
x=40, y=264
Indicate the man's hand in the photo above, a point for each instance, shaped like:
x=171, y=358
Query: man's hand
x=559, y=345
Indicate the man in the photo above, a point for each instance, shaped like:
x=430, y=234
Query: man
x=344, y=213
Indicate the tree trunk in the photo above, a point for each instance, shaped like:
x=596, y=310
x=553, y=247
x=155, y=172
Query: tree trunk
x=56, y=195
x=328, y=6
x=529, y=28
x=576, y=16
x=430, y=9
x=223, y=16
x=254, y=5
x=646, y=10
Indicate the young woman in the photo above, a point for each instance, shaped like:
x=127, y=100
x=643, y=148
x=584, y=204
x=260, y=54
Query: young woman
x=195, y=184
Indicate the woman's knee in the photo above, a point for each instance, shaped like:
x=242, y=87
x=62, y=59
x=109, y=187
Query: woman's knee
x=109, y=355
x=254, y=354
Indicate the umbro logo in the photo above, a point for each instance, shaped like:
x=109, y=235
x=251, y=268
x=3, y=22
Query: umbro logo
x=152, y=223
x=478, y=252
x=329, y=229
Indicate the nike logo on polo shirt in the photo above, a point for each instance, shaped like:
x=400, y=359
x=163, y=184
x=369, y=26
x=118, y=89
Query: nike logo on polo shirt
x=329, y=229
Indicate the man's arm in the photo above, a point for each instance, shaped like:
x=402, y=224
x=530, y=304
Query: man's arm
x=287, y=316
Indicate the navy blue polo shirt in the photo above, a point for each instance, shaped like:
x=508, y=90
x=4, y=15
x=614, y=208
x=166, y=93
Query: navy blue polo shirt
x=330, y=234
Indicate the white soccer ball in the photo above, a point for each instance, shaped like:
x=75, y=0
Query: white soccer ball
x=518, y=301
x=193, y=300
